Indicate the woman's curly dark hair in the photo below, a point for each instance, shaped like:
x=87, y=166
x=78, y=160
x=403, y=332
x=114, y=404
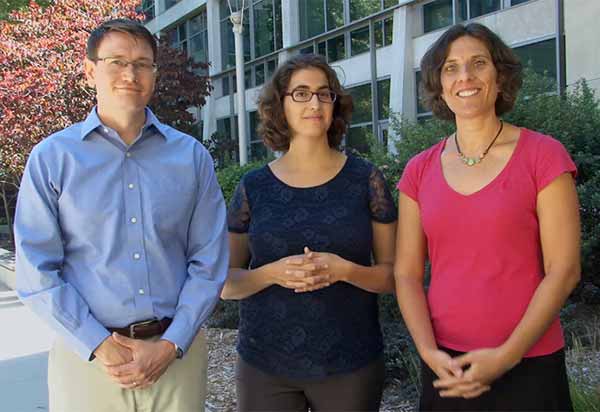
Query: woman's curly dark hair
x=273, y=126
x=507, y=65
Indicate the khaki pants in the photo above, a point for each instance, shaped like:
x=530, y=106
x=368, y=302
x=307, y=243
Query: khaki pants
x=75, y=385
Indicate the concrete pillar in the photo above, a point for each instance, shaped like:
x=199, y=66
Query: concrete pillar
x=290, y=26
x=214, y=57
x=402, y=88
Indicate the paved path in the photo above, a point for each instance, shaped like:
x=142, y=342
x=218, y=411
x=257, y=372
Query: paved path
x=24, y=345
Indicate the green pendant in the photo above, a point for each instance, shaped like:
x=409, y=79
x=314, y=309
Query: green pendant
x=470, y=162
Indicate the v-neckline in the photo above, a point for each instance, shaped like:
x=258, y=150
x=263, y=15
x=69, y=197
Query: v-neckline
x=491, y=182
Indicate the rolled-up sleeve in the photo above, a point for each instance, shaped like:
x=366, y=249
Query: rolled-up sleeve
x=207, y=256
x=39, y=260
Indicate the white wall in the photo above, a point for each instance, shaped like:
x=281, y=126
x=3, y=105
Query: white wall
x=582, y=36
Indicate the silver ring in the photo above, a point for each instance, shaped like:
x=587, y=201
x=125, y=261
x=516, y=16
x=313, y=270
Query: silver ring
x=134, y=383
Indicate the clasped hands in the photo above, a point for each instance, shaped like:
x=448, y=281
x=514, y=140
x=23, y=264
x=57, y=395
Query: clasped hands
x=135, y=363
x=469, y=375
x=310, y=271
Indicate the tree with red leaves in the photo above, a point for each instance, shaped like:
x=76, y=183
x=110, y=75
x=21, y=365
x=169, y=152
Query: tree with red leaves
x=42, y=84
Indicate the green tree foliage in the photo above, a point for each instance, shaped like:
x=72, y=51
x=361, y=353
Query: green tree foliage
x=6, y=6
x=42, y=84
x=573, y=118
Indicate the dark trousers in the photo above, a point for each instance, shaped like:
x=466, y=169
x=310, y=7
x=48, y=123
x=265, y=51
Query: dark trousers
x=359, y=390
x=535, y=384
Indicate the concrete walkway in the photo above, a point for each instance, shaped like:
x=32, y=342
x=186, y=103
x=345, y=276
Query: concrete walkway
x=24, y=349
x=7, y=268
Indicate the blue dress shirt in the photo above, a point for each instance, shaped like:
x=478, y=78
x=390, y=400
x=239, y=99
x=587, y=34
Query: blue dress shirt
x=109, y=234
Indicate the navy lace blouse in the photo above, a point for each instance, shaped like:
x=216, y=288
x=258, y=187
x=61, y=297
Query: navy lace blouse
x=332, y=330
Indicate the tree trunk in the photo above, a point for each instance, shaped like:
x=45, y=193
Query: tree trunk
x=7, y=213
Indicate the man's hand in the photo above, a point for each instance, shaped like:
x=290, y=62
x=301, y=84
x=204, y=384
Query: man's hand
x=110, y=353
x=150, y=361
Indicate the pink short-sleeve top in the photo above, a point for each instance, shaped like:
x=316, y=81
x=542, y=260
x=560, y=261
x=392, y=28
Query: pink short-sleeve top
x=484, y=248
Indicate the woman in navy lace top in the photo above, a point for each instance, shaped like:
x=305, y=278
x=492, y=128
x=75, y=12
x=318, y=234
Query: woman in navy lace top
x=312, y=243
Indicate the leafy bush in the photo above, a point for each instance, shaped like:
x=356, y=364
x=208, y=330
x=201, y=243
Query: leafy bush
x=225, y=314
x=573, y=118
x=230, y=176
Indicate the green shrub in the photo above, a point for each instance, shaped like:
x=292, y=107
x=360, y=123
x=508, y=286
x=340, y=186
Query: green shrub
x=225, y=314
x=584, y=400
x=230, y=176
x=572, y=118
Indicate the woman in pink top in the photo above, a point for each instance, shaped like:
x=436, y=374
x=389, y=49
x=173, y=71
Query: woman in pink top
x=495, y=209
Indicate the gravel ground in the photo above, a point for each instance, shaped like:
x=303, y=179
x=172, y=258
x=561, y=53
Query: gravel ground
x=583, y=365
x=221, y=377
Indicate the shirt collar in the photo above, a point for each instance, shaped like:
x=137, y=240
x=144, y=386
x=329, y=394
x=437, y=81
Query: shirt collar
x=92, y=122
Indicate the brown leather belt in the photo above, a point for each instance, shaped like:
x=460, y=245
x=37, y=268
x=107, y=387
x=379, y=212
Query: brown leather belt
x=144, y=329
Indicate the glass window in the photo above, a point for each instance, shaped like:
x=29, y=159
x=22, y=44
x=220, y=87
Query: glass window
x=259, y=74
x=148, y=9
x=198, y=32
x=312, y=18
x=228, y=42
x=224, y=11
x=198, y=23
x=191, y=37
x=363, y=8
x=264, y=38
x=170, y=3
x=248, y=78
x=515, y=2
x=477, y=8
x=335, y=49
x=226, y=87
x=307, y=50
x=359, y=40
x=361, y=97
x=278, y=26
x=436, y=15
x=198, y=49
x=258, y=150
x=421, y=107
x=384, y=34
x=322, y=49
x=383, y=97
x=539, y=56
x=335, y=14
x=271, y=67
x=227, y=138
x=358, y=138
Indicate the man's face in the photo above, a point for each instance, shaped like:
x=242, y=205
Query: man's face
x=122, y=87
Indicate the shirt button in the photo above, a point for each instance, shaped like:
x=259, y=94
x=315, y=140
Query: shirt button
x=136, y=256
x=141, y=291
x=130, y=185
x=105, y=130
x=133, y=220
x=127, y=154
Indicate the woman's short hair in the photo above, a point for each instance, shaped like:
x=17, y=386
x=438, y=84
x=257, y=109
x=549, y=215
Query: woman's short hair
x=273, y=126
x=507, y=65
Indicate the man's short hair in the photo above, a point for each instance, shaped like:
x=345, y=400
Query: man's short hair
x=132, y=27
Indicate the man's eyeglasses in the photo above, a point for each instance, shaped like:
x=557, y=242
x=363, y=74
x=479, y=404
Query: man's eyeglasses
x=304, y=95
x=117, y=65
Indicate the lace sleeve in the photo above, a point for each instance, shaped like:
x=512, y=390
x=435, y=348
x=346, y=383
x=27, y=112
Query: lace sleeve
x=238, y=213
x=381, y=203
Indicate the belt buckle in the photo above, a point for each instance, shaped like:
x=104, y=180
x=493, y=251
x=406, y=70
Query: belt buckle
x=142, y=323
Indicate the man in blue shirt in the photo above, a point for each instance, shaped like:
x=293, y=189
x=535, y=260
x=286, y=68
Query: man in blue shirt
x=121, y=242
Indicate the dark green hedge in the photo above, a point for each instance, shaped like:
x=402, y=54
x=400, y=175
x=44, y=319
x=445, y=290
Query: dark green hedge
x=572, y=118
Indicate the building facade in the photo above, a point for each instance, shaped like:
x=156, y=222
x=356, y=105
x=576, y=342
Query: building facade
x=375, y=46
